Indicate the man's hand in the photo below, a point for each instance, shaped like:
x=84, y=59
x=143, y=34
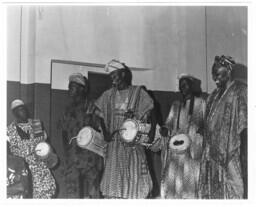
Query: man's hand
x=163, y=131
x=129, y=114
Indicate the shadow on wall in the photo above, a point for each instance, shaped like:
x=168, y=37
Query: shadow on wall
x=239, y=72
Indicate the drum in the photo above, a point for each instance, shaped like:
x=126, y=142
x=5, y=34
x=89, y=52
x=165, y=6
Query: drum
x=181, y=174
x=44, y=152
x=92, y=140
x=179, y=143
x=131, y=128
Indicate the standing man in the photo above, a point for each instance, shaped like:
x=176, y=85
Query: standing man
x=186, y=116
x=224, y=163
x=83, y=168
x=126, y=173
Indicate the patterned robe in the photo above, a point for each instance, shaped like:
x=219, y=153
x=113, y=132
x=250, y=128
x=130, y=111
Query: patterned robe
x=43, y=182
x=18, y=182
x=221, y=173
x=191, y=125
x=126, y=173
x=82, y=168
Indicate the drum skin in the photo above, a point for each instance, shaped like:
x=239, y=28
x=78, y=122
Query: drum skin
x=133, y=130
x=181, y=175
x=44, y=152
x=85, y=137
x=129, y=130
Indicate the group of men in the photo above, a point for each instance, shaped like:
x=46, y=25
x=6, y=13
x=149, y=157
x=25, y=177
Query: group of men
x=216, y=131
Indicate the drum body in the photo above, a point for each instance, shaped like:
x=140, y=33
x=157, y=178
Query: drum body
x=44, y=152
x=91, y=140
x=132, y=128
x=181, y=174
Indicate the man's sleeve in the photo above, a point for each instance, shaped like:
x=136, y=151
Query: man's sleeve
x=242, y=110
x=99, y=104
x=145, y=106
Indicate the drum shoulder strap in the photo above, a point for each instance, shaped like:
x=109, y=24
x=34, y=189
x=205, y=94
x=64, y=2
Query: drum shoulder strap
x=134, y=97
x=37, y=127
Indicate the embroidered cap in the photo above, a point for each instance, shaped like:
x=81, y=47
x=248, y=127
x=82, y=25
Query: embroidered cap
x=186, y=76
x=114, y=65
x=16, y=103
x=77, y=78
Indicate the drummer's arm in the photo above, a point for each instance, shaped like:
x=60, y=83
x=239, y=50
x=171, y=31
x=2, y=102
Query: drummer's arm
x=153, y=122
x=156, y=145
x=101, y=122
x=106, y=134
x=45, y=136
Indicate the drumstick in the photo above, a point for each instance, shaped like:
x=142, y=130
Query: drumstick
x=34, y=151
x=149, y=145
x=118, y=130
x=71, y=139
x=146, y=144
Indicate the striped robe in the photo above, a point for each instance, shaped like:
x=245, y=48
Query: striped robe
x=126, y=173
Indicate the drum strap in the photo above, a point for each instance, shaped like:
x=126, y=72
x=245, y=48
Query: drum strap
x=191, y=106
x=134, y=98
x=21, y=133
x=37, y=128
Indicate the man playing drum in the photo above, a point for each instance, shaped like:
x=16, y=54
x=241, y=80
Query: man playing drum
x=24, y=134
x=83, y=168
x=126, y=173
x=186, y=116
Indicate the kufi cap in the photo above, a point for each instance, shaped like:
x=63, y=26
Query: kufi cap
x=77, y=78
x=186, y=76
x=114, y=65
x=16, y=103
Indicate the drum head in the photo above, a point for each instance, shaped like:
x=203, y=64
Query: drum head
x=129, y=130
x=42, y=149
x=84, y=136
x=179, y=143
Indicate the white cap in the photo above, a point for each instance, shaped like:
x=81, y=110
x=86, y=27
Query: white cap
x=114, y=65
x=16, y=103
x=77, y=78
x=185, y=75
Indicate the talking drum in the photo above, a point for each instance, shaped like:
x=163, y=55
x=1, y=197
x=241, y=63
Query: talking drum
x=91, y=140
x=44, y=152
x=132, y=128
x=181, y=174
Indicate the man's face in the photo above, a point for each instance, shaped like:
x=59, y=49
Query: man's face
x=220, y=76
x=21, y=113
x=117, y=78
x=75, y=89
x=185, y=87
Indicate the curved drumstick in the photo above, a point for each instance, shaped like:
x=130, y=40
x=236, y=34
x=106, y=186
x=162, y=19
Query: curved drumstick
x=72, y=139
x=38, y=150
x=149, y=145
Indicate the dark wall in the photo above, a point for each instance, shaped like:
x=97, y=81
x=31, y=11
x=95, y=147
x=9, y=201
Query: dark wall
x=36, y=96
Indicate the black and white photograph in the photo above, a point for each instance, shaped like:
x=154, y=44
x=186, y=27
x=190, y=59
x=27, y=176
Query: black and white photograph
x=127, y=101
